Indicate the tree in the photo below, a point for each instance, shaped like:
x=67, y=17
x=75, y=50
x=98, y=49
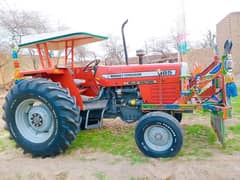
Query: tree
x=208, y=40
x=82, y=53
x=174, y=39
x=114, y=52
x=18, y=23
x=157, y=45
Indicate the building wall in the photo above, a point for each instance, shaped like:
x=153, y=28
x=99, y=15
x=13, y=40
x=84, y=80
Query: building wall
x=229, y=28
x=203, y=57
x=7, y=68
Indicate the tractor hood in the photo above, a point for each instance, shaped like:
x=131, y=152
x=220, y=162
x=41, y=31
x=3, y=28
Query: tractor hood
x=120, y=75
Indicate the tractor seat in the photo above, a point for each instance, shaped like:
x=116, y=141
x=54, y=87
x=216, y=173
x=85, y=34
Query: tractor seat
x=86, y=98
x=79, y=82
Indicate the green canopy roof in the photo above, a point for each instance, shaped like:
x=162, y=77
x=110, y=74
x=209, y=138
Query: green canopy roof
x=58, y=41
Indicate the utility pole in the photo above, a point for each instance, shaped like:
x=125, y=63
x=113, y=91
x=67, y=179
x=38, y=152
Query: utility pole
x=181, y=37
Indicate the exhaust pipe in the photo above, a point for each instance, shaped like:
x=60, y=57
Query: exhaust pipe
x=124, y=42
x=140, y=53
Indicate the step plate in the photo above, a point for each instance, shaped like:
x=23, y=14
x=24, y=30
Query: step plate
x=99, y=122
x=100, y=104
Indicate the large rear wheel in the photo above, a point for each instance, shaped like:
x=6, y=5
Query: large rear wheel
x=42, y=117
x=159, y=134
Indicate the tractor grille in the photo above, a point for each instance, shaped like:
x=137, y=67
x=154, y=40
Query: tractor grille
x=166, y=93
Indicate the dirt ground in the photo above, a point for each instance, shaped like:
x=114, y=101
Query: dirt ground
x=97, y=165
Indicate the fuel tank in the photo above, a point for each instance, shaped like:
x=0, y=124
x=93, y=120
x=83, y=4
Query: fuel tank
x=158, y=83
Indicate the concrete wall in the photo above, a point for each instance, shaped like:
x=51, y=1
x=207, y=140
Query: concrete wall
x=7, y=68
x=203, y=57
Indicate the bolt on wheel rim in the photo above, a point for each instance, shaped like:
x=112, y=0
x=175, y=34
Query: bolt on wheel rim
x=34, y=120
x=158, y=138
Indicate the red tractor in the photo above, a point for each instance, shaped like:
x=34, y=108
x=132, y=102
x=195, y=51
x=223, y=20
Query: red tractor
x=46, y=108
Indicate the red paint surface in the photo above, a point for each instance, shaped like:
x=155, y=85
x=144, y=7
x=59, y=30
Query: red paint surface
x=166, y=90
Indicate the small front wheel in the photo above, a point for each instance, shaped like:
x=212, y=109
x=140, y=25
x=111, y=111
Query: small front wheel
x=159, y=134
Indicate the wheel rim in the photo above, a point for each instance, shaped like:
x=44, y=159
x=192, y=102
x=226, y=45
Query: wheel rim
x=158, y=138
x=34, y=120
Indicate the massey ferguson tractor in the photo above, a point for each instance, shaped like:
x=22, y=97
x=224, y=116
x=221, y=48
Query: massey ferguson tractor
x=47, y=107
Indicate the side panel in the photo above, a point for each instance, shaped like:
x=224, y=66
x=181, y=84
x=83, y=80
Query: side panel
x=158, y=83
x=122, y=75
x=166, y=91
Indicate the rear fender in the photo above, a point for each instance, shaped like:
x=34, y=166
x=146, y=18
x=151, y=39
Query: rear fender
x=66, y=80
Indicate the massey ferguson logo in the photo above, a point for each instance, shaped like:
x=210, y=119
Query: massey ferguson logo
x=167, y=73
x=140, y=74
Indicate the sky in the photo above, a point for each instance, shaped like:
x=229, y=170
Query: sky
x=147, y=18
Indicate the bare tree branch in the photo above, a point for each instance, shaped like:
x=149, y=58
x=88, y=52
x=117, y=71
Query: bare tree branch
x=113, y=51
x=18, y=23
x=156, y=45
x=208, y=40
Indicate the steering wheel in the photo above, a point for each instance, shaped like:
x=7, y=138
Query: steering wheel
x=92, y=65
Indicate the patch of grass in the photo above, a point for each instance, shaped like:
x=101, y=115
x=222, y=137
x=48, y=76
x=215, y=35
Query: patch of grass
x=100, y=175
x=236, y=104
x=198, y=142
x=117, y=141
x=201, y=133
x=232, y=145
x=202, y=113
x=18, y=177
x=235, y=129
x=6, y=143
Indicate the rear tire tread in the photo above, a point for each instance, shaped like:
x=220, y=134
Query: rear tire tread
x=58, y=98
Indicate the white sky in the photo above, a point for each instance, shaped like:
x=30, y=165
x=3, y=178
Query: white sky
x=147, y=18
